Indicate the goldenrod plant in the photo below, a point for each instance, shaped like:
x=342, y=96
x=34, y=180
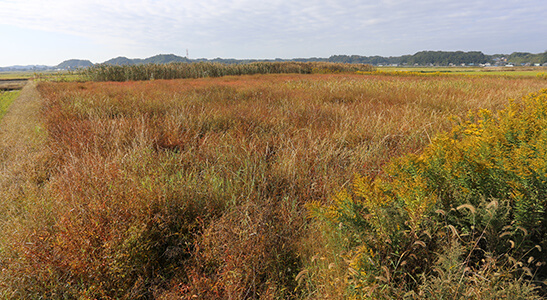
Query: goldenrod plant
x=467, y=215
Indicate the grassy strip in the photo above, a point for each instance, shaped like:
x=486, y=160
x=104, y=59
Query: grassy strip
x=6, y=99
x=16, y=75
x=472, y=71
x=439, y=73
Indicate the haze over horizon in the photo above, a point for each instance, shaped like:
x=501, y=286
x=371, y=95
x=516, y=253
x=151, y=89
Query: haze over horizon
x=47, y=33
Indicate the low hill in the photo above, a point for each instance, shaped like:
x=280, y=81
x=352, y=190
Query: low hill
x=74, y=64
x=165, y=59
x=121, y=61
x=157, y=59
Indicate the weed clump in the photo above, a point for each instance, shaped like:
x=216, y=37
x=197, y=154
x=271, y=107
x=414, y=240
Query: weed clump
x=465, y=217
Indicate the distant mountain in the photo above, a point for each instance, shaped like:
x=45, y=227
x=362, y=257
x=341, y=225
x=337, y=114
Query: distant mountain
x=122, y=61
x=165, y=59
x=74, y=64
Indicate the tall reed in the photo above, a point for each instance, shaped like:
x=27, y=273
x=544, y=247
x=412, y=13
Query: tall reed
x=205, y=69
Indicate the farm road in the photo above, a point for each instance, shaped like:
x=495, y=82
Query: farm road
x=21, y=142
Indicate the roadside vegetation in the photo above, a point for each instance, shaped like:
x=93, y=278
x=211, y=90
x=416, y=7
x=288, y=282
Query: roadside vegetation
x=6, y=99
x=279, y=186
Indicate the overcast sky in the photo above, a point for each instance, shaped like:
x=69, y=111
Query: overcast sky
x=48, y=32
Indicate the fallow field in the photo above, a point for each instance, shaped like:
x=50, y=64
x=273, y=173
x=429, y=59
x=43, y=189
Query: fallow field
x=233, y=188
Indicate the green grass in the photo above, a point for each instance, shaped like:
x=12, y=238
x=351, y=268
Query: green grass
x=16, y=75
x=6, y=99
x=43, y=75
x=491, y=71
x=59, y=76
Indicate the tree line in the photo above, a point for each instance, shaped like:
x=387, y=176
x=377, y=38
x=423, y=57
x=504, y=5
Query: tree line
x=444, y=58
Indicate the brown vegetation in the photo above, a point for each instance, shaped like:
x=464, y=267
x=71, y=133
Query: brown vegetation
x=176, y=188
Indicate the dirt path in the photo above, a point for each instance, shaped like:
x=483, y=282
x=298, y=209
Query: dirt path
x=21, y=142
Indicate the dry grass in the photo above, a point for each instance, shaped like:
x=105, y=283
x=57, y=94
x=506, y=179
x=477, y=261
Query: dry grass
x=208, y=69
x=176, y=188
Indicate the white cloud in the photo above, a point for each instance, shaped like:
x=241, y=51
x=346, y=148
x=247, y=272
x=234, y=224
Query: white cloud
x=285, y=28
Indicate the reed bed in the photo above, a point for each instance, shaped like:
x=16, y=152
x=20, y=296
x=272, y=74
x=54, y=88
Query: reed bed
x=198, y=187
x=206, y=69
x=6, y=99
